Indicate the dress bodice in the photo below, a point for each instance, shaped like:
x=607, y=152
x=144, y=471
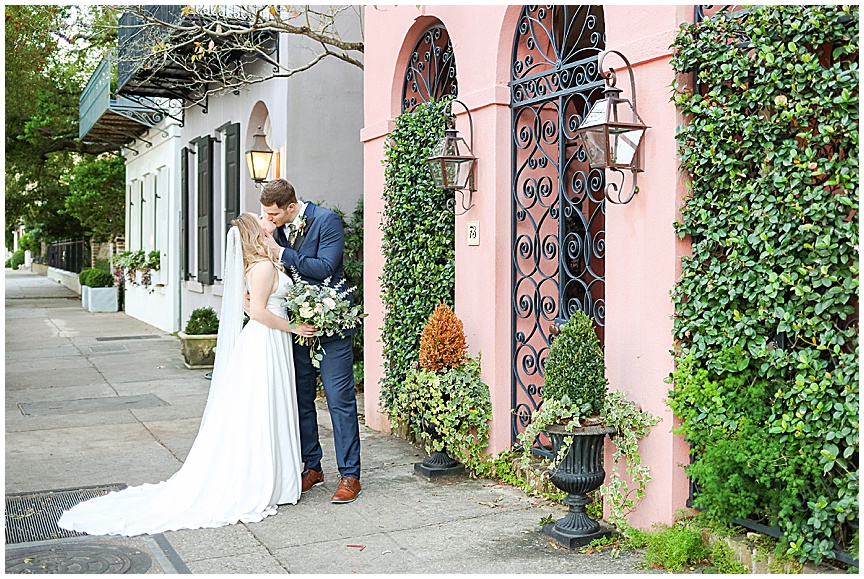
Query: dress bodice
x=276, y=301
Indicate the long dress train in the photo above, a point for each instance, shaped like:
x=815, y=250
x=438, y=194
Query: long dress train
x=245, y=459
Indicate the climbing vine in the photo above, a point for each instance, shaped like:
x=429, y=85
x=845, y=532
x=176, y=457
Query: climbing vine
x=417, y=244
x=766, y=320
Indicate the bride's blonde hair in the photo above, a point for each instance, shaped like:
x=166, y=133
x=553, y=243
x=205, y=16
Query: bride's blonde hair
x=252, y=241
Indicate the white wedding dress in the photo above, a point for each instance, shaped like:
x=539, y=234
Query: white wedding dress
x=245, y=459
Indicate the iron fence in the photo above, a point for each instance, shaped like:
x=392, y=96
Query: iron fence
x=69, y=254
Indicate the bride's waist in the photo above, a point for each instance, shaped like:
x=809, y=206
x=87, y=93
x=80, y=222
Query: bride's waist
x=277, y=309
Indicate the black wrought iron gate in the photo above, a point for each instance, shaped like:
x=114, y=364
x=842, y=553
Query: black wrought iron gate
x=558, y=224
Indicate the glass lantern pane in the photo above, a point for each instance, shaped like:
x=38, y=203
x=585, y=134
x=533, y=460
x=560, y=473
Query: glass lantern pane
x=594, y=141
x=462, y=173
x=597, y=114
x=622, y=111
x=623, y=145
x=436, y=170
x=250, y=165
x=259, y=164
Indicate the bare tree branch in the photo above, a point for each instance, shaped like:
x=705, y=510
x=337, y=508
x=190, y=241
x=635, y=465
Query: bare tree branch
x=217, y=49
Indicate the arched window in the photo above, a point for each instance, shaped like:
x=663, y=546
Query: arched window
x=431, y=71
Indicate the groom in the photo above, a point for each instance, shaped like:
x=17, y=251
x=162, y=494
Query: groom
x=311, y=240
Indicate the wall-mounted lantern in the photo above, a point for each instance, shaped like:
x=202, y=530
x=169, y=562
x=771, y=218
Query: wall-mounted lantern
x=452, y=162
x=612, y=132
x=259, y=157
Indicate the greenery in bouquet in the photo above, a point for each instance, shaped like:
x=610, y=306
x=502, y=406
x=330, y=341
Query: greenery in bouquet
x=327, y=308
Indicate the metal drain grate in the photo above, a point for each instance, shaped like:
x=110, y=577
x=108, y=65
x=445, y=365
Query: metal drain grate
x=33, y=517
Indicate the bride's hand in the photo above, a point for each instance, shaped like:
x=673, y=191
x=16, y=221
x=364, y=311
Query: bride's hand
x=304, y=330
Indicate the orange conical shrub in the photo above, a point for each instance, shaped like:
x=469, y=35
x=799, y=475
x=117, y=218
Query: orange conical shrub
x=442, y=343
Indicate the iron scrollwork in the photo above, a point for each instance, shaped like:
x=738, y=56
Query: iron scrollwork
x=558, y=227
x=431, y=71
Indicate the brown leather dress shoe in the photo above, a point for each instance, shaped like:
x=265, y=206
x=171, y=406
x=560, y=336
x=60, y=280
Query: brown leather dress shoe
x=311, y=478
x=349, y=489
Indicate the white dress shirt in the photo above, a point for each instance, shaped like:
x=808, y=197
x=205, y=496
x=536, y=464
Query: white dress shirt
x=286, y=229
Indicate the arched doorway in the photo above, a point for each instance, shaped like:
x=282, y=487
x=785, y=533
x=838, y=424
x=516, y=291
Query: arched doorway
x=558, y=212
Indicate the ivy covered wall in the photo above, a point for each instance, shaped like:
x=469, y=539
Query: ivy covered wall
x=767, y=305
x=418, y=244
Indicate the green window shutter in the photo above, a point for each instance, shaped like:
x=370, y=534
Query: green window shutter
x=205, y=209
x=231, y=141
x=184, y=210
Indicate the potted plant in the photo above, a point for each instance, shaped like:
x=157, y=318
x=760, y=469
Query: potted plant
x=149, y=267
x=98, y=291
x=443, y=401
x=130, y=262
x=577, y=413
x=85, y=289
x=198, y=340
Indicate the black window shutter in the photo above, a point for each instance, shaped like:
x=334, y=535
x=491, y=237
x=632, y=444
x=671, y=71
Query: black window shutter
x=184, y=210
x=205, y=210
x=232, y=174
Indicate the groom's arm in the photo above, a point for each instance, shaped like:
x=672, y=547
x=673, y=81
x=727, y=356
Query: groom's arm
x=331, y=246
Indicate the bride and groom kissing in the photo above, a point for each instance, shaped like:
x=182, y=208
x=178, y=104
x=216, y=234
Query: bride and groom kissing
x=257, y=446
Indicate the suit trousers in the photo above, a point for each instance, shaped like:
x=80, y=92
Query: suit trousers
x=337, y=375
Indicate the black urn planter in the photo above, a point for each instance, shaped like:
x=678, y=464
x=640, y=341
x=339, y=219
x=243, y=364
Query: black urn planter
x=579, y=473
x=439, y=464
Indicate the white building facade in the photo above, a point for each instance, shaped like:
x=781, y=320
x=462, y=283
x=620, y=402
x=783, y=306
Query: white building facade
x=187, y=178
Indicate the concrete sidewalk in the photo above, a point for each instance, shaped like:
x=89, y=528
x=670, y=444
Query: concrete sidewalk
x=97, y=399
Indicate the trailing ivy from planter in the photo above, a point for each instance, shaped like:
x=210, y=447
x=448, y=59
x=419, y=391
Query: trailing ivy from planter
x=418, y=242
x=766, y=308
x=453, y=404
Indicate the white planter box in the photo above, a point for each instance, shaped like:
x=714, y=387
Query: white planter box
x=103, y=299
x=85, y=296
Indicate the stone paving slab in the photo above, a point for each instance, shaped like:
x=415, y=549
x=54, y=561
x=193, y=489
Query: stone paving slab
x=17, y=423
x=14, y=397
x=21, y=378
x=90, y=405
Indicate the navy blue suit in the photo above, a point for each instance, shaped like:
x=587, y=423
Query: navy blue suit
x=316, y=255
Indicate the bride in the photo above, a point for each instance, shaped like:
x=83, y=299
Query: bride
x=246, y=457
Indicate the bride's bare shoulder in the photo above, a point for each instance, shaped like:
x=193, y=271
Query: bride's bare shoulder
x=264, y=268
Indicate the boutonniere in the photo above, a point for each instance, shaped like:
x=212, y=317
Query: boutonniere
x=302, y=225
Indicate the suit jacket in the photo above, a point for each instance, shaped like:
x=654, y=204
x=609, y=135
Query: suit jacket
x=318, y=250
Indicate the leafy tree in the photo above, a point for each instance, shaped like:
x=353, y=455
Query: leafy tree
x=96, y=196
x=49, y=57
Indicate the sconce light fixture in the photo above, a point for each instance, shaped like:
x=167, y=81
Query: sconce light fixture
x=452, y=162
x=612, y=133
x=259, y=157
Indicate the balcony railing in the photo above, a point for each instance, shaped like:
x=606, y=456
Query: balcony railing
x=170, y=75
x=107, y=118
x=96, y=97
x=135, y=37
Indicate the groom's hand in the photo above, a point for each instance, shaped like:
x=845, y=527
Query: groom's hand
x=274, y=247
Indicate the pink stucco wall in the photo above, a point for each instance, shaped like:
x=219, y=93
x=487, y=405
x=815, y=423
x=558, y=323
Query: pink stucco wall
x=642, y=251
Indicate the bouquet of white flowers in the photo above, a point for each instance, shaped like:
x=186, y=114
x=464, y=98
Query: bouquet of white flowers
x=327, y=308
